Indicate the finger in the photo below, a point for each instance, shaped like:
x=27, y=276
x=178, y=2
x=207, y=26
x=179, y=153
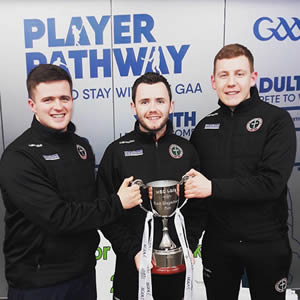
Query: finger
x=189, y=195
x=192, y=173
x=150, y=192
x=127, y=181
x=188, y=183
x=135, y=188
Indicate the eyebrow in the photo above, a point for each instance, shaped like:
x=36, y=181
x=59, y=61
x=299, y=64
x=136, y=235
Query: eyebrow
x=225, y=71
x=158, y=98
x=61, y=96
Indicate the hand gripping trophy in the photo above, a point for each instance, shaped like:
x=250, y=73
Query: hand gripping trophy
x=169, y=258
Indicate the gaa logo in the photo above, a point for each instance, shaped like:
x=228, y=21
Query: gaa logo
x=281, y=285
x=265, y=29
x=254, y=124
x=175, y=151
x=81, y=151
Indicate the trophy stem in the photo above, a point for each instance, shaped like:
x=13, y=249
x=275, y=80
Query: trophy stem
x=166, y=242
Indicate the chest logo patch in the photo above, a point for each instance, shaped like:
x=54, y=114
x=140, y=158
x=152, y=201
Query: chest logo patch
x=134, y=153
x=175, y=151
x=254, y=124
x=81, y=151
x=281, y=285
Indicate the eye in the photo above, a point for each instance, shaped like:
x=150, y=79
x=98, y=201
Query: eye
x=65, y=98
x=143, y=101
x=47, y=100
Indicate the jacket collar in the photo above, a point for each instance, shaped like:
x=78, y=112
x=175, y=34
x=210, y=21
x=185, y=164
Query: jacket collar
x=51, y=134
x=244, y=105
x=150, y=136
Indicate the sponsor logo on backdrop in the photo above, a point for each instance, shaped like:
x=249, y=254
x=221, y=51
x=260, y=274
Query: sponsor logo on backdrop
x=102, y=253
x=125, y=92
x=266, y=28
x=184, y=122
x=82, y=46
x=283, y=91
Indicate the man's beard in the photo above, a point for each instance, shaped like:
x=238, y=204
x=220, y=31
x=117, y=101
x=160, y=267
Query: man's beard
x=155, y=130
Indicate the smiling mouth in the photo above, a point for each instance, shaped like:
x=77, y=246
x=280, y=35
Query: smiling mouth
x=58, y=116
x=232, y=93
x=153, y=118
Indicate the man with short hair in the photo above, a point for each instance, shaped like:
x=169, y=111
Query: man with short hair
x=247, y=149
x=47, y=178
x=150, y=152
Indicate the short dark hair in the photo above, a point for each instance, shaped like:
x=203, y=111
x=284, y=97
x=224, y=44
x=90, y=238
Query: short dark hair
x=232, y=51
x=150, y=78
x=46, y=73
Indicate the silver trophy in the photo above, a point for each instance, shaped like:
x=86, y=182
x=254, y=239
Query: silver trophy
x=164, y=200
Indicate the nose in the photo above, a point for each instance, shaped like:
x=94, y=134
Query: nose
x=231, y=80
x=152, y=106
x=58, y=104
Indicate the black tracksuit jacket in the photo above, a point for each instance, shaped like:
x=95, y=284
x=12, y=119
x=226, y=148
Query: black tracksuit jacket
x=248, y=154
x=138, y=154
x=52, y=212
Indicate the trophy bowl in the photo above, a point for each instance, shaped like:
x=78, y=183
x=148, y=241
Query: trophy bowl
x=168, y=259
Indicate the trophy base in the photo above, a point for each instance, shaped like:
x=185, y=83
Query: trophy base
x=168, y=261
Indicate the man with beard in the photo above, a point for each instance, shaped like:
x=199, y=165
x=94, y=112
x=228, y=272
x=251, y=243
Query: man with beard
x=150, y=152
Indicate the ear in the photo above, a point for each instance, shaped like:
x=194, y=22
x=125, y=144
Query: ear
x=171, y=109
x=31, y=104
x=213, y=82
x=132, y=106
x=253, y=78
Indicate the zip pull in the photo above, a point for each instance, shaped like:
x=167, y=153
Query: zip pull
x=155, y=141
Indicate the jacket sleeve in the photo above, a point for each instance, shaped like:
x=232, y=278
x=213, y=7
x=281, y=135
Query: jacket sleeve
x=118, y=233
x=27, y=189
x=272, y=171
x=195, y=212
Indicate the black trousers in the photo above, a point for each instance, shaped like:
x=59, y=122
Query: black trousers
x=266, y=264
x=82, y=288
x=164, y=287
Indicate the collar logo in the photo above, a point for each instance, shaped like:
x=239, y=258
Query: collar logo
x=281, y=285
x=254, y=124
x=175, y=151
x=81, y=151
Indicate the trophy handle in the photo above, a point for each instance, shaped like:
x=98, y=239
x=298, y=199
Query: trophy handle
x=141, y=184
x=184, y=179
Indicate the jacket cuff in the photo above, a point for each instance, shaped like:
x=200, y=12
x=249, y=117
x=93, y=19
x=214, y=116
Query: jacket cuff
x=117, y=204
x=135, y=249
